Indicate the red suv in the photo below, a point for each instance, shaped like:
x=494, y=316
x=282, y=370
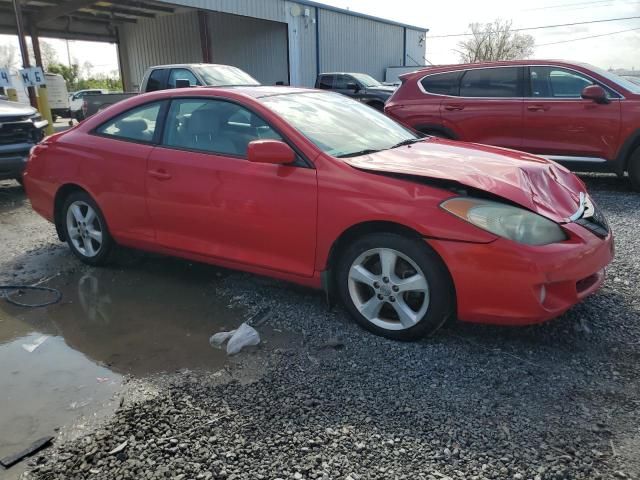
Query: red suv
x=583, y=117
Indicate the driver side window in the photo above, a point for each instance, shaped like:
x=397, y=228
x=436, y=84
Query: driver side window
x=214, y=126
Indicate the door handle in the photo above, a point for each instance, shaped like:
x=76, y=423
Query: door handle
x=159, y=174
x=537, y=108
x=453, y=108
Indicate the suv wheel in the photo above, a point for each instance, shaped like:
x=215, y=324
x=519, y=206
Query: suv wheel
x=395, y=286
x=85, y=229
x=634, y=169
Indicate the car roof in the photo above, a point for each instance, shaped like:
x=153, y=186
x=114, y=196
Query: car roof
x=186, y=65
x=504, y=63
x=260, y=91
x=343, y=73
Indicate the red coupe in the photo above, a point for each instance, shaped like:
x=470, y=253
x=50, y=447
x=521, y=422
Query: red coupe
x=317, y=189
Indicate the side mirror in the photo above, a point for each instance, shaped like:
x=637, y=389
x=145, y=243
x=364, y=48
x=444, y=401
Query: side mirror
x=353, y=86
x=274, y=152
x=595, y=93
x=182, y=83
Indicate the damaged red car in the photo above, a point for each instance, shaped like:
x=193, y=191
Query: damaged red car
x=318, y=189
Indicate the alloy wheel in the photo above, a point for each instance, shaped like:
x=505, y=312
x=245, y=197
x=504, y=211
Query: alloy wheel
x=388, y=289
x=84, y=229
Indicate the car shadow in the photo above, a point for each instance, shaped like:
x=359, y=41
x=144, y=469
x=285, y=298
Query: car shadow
x=606, y=182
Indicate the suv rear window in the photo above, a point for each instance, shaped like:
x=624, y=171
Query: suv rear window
x=490, y=83
x=442, y=83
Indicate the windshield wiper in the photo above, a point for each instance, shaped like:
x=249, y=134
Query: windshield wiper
x=408, y=141
x=358, y=153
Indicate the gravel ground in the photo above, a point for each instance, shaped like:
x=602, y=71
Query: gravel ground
x=556, y=401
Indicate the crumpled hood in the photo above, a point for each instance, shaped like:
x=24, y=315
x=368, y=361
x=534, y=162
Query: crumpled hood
x=14, y=109
x=532, y=182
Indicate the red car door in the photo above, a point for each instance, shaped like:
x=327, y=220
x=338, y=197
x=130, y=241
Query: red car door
x=559, y=123
x=204, y=197
x=113, y=166
x=489, y=107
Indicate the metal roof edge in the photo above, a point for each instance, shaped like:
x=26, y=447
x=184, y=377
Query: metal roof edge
x=324, y=6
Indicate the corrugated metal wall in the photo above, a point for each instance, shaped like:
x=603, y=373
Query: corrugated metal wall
x=259, y=47
x=264, y=9
x=166, y=39
x=302, y=45
x=267, y=50
x=415, y=47
x=354, y=44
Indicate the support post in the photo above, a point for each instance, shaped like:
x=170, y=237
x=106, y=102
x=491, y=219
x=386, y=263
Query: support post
x=203, y=25
x=23, y=49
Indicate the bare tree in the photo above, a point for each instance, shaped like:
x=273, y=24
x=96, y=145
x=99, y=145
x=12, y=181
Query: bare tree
x=8, y=56
x=495, y=41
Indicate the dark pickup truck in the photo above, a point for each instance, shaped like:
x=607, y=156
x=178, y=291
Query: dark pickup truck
x=21, y=127
x=359, y=86
x=164, y=77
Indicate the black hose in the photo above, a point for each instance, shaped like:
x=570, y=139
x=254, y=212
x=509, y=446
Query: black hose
x=7, y=296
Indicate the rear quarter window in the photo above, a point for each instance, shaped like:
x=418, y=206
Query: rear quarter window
x=442, y=83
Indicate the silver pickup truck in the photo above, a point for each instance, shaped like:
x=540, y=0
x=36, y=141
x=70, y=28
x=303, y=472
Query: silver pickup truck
x=21, y=127
x=163, y=77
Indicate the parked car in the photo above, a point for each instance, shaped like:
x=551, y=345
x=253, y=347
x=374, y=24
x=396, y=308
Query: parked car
x=21, y=127
x=164, y=77
x=76, y=100
x=581, y=116
x=359, y=86
x=321, y=190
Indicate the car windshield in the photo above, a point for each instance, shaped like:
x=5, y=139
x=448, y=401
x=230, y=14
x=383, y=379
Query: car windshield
x=617, y=79
x=366, y=80
x=338, y=125
x=224, y=75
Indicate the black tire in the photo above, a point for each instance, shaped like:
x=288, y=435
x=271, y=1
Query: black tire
x=441, y=303
x=634, y=169
x=102, y=253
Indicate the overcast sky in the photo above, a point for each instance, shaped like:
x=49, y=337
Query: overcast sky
x=452, y=17
x=444, y=18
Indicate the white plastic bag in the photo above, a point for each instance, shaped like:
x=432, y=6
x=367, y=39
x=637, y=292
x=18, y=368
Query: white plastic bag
x=244, y=336
x=219, y=338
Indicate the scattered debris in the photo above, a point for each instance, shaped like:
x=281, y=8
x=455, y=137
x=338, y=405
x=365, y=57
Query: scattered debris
x=30, y=347
x=119, y=448
x=260, y=318
x=27, y=452
x=245, y=335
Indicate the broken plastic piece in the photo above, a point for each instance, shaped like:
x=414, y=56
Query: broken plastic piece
x=119, y=448
x=27, y=452
x=30, y=347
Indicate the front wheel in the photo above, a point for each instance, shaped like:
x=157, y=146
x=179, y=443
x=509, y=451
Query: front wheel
x=85, y=229
x=395, y=286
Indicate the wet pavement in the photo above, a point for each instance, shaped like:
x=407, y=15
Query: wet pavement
x=145, y=315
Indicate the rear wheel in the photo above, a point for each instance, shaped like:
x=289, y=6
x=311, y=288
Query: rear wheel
x=634, y=169
x=85, y=229
x=395, y=286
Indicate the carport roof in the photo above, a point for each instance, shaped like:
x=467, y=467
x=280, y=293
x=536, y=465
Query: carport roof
x=80, y=19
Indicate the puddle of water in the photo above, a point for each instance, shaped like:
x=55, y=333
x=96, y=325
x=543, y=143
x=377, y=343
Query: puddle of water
x=152, y=316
